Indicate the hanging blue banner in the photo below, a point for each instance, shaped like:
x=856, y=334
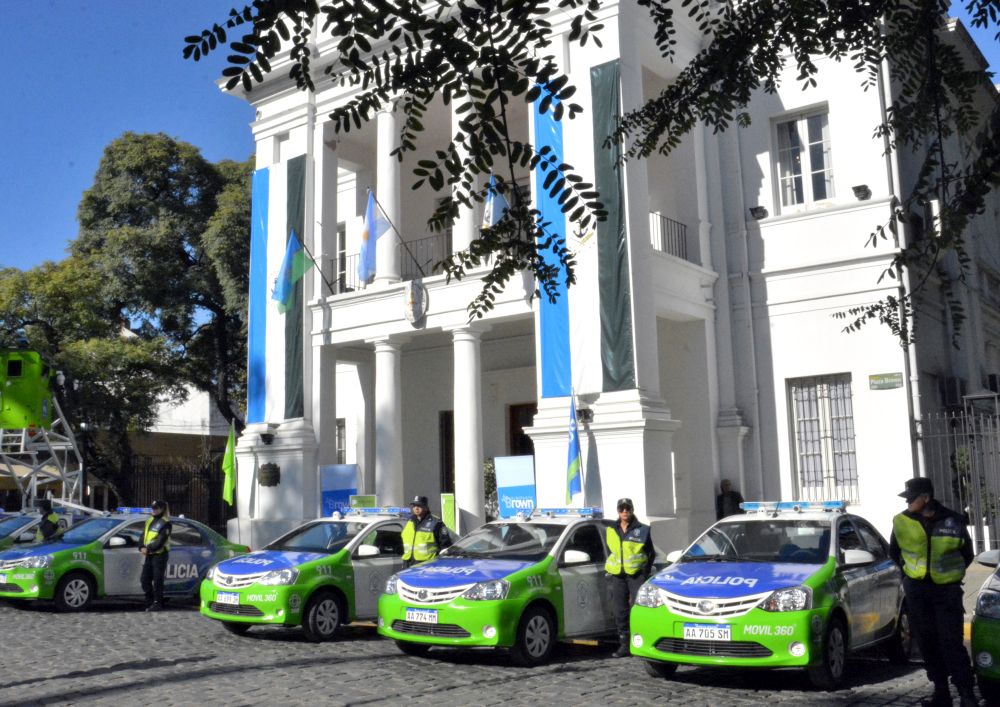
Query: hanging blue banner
x=515, y=485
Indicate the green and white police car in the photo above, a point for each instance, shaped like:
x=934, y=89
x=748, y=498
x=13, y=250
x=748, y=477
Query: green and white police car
x=986, y=631
x=521, y=584
x=790, y=584
x=324, y=573
x=99, y=557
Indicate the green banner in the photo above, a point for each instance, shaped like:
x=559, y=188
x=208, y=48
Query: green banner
x=296, y=201
x=369, y=501
x=448, y=511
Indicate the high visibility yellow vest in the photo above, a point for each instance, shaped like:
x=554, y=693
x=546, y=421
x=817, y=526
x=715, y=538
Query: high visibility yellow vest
x=419, y=543
x=630, y=553
x=149, y=534
x=52, y=518
x=942, y=555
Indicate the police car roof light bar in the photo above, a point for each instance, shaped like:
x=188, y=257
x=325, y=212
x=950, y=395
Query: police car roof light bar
x=585, y=512
x=379, y=511
x=796, y=506
x=133, y=509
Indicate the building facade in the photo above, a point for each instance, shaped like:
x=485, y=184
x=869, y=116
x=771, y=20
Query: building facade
x=702, y=341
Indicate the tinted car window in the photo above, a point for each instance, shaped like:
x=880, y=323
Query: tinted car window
x=778, y=540
x=587, y=539
x=90, y=530
x=387, y=539
x=848, y=538
x=183, y=534
x=876, y=545
x=131, y=534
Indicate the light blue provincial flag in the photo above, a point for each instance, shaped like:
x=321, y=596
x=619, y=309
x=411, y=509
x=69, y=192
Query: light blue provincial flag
x=375, y=225
x=574, y=479
x=496, y=205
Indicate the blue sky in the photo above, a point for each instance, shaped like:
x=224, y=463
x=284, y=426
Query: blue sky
x=82, y=72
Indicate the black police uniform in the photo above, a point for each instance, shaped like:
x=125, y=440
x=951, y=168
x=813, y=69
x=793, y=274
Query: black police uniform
x=622, y=586
x=154, y=569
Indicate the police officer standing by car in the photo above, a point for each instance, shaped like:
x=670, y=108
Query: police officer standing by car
x=931, y=544
x=155, y=547
x=629, y=564
x=49, y=525
x=424, y=536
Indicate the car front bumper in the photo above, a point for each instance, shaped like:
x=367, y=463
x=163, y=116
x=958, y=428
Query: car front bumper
x=459, y=622
x=281, y=605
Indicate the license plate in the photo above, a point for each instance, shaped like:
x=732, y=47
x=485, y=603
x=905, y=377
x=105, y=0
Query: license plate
x=228, y=598
x=422, y=616
x=708, y=632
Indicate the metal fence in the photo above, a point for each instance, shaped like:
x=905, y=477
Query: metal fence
x=191, y=487
x=418, y=258
x=668, y=236
x=962, y=457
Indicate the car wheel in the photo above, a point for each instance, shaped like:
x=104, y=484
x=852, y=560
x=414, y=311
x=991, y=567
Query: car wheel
x=828, y=673
x=536, y=638
x=235, y=628
x=415, y=649
x=75, y=592
x=659, y=668
x=322, y=617
x=900, y=645
x=990, y=690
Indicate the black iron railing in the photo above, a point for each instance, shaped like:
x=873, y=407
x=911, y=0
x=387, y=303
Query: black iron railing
x=668, y=236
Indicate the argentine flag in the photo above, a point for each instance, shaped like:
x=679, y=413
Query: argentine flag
x=496, y=205
x=375, y=225
x=574, y=479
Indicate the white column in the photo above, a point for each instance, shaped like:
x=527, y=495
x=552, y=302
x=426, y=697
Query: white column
x=701, y=186
x=466, y=228
x=324, y=245
x=388, y=423
x=468, y=427
x=387, y=193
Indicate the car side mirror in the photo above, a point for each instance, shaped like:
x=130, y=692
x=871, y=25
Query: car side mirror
x=674, y=555
x=26, y=538
x=368, y=551
x=117, y=541
x=990, y=558
x=575, y=557
x=858, y=557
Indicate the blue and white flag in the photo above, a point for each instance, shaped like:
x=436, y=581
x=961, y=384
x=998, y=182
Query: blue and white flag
x=376, y=224
x=574, y=477
x=496, y=205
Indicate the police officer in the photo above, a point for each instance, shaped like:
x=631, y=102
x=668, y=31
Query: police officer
x=630, y=561
x=424, y=536
x=47, y=529
x=932, y=546
x=155, y=547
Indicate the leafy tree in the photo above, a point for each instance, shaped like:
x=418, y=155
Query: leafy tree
x=166, y=231
x=484, y=54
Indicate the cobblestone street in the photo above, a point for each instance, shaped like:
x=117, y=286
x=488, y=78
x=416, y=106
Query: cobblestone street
x=117, y=654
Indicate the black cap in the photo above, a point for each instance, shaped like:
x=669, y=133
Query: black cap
x=45, y=505
x=158, y=505
x=419, y=501
x=625, y=503
x=916, y=487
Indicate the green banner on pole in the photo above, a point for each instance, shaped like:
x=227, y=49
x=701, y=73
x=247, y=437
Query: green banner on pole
x=369, y=501
x=885, y=381
x=448, y=511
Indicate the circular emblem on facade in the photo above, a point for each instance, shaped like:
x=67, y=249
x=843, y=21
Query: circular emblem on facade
x=294, y=602
x=422, y=594
x=414, y=301
x=706, y=607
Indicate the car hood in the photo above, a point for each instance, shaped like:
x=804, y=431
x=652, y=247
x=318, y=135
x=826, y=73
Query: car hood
x=448, y=572
x=722, y=580
x=35, y=550
x=267, y=561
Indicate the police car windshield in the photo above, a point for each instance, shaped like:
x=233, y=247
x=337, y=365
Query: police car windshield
x=318, y=537
x=508, y=541
x=10, y=525
x=89, y=530
x=772, y=540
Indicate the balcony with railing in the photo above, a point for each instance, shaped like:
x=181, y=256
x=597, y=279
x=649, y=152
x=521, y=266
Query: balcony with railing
x=418, y=258
x=668, y=236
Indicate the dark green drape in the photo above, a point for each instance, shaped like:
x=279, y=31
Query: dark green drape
x=295, y=219
x=617, y=360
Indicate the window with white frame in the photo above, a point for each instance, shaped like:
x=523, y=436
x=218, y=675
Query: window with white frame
x=822, y=431
x=804, y=159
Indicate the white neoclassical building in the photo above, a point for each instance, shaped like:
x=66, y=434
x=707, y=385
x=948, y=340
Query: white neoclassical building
x=702, y=342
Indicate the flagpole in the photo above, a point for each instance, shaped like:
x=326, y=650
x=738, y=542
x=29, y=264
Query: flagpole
x=398, y=234
x=319, y=267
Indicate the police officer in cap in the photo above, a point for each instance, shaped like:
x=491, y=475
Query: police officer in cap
x=424, y=536
x=47, y=529
x=630, y=562
x=155, y=547
x=932, y=546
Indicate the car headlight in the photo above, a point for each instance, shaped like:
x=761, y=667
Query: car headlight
x=988, y=604
x=650, y=595
x=488, y=591
x=279, y=577
x=791, y=599
x=36, y=562
x=390, y=584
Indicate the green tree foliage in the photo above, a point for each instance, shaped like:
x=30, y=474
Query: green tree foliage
x=485, y=53
x=167, y=232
